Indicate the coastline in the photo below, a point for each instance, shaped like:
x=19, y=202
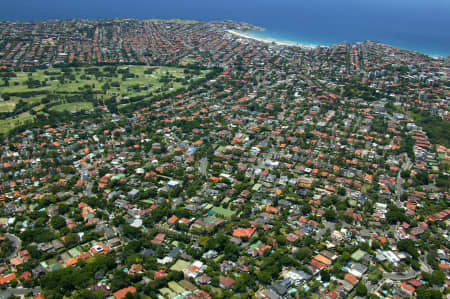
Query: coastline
x=270, y=41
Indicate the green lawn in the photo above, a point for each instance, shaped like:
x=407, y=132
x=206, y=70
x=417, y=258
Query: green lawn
x=227, y=213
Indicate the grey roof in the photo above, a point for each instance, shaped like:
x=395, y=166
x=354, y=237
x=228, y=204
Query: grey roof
x=147, y=252
x=359, y=267
x=269, y=293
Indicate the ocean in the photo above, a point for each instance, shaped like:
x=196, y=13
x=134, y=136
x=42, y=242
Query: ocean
x=417, y=25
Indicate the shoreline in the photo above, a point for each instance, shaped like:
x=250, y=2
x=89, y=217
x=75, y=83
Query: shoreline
x=271, y=41
x=245, y=35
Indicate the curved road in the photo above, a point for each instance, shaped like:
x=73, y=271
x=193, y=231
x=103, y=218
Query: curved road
x=18, y=292
x=424, y=264
x=400, y=275
x=16, y=243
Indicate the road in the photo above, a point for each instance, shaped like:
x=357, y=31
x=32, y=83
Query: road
x=18, y=292
x=204, y=166
x=398, y=187
x=164, y=229
x=375, y=288
x=264, y=157
x=408, y=164
x=424, y=264
x=89, y=187
x=370, y=286
x=401, y=275
x=16, y=243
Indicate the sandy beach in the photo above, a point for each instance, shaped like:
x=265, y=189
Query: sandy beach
x=270, y=41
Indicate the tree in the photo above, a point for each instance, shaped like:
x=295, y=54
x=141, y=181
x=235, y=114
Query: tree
x=175, y=276
x=395, y=214
x=325, y=275
x=409, y=246
x=131, y=232
x=306, y=209
x=118, y=220
x=120, y=280
x=438, y=277
x=342, y=191
x=303, y=253
x=63, y=208
x=406, y=174
x=86, y=294
x=71, y=240
x=330, y=215
x=132, y=296
x=424, y=293
x=57, y=222
x=240, y=286
x=421, y=178
x=231, y=251
x=415, y=264
x=264, y=277
x=361, y=289
x=6, y=248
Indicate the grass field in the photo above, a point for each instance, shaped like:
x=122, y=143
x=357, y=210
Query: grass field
x=122, y=82
x=187, y=61
x=227, y=213
x=7, y=106
x=150, y=81
x=77, y=106
x=12, y=122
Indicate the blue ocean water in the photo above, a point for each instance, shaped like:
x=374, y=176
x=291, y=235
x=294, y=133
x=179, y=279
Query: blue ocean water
x=411, y=24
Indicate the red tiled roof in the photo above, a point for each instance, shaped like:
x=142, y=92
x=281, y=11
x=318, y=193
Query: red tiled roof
x=172, y=219
x=227, y=282
x=7, y=278
x=332, y=295
x=351, y=278
x=408, y=287
x=317, y=265
x=243, y=232
x=120, y=294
